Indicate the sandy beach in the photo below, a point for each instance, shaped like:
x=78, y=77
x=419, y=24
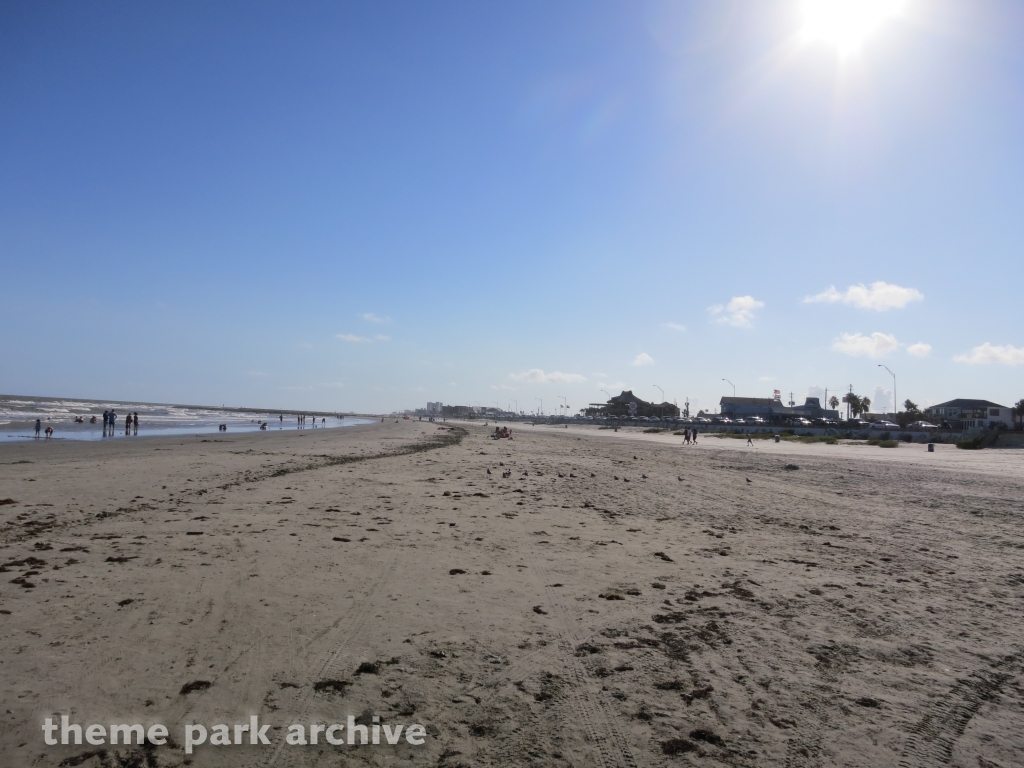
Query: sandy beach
x=617, y=600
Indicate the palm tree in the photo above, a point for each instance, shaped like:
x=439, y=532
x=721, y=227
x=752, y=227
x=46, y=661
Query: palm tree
x=853, y=404
x=910, y=406
x=833, y=402
x=1018, y=408
x=865, y=404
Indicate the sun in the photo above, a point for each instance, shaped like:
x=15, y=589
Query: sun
x=846, y=24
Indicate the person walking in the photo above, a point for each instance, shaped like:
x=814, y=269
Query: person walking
x=39, y=426
x=750, y=442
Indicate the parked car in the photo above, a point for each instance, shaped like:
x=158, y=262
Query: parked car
x=740, y=422
x=801, y=422
x=883, y=424
x=921, y=425
x=755, y=421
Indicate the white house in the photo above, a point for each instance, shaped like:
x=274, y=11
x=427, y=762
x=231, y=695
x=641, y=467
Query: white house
x=971, y=414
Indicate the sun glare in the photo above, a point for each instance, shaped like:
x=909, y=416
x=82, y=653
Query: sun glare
x=845, y=23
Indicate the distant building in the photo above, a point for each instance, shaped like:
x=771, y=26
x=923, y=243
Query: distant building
x=434, y=409
x=628, y=404
x=971, y=414
x=773, y=411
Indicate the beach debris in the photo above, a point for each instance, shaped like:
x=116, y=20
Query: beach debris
x=540, y=610
x=4, y=502
x=122, y=558
x=455, y=571
x=127, y=601
x=195, y=685
x=708, y=737
x=678, y=746
x=664, y=557
x=341, y=538
x=368, y=668
x=331, y=686
x=791, y=467
x=657, y=585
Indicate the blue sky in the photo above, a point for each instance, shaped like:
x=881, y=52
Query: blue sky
x=369, y=206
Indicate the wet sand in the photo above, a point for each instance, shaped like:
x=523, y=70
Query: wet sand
x=619, y=600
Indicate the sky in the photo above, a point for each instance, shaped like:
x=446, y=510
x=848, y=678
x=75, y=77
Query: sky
x=368, y=206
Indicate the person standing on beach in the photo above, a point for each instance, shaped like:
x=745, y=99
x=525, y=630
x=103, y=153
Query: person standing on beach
x=128, y=424
x=694, y=435
x=135, y=422
x=106, y=420
x=112, y=418
x=750, y=442
x=39, y=425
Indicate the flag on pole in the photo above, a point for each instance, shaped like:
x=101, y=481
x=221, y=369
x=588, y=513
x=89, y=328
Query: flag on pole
x=778, y=394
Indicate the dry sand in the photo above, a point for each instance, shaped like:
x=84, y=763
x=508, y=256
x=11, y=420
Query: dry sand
x=625, y=601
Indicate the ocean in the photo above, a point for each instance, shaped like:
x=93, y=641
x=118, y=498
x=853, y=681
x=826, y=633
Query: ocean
x=18, y=415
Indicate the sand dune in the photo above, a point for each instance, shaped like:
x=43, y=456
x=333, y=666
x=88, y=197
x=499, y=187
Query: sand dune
x=617, y=601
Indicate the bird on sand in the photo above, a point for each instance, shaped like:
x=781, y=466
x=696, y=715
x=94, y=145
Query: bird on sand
x=488, y=471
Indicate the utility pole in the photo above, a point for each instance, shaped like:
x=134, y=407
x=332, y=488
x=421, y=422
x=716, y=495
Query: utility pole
x=541, y=413
x=732, y=385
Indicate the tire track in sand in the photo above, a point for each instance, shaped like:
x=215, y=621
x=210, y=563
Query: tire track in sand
x=932, y=739
x=336, y=640
x=598, y=723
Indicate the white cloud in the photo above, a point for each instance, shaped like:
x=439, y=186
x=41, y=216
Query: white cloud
x=372, y=318
x=875, y=345
x=382, y=337
x=920, y=349
x=990, y=353
x=881, y=400
x=738, y=312
x=619, y=385
x=879, y=296
x=352, y=338
x=537, y=376
x=674, y=327
x=503, y=386
x=643, y=359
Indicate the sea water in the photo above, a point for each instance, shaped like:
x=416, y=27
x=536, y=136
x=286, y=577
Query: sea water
x=18, y=416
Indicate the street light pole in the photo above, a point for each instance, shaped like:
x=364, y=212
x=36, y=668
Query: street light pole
x=541, y=405
x=895, y=402
x=733, y=386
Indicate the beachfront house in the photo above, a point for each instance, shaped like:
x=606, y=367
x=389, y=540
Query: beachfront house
x=970, y=414
x=628, y=405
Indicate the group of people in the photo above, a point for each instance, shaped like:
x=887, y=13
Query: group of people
x=302, y=421
x=502, y=432
x=39, y=426
x=690, y=436
x=131, y=421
